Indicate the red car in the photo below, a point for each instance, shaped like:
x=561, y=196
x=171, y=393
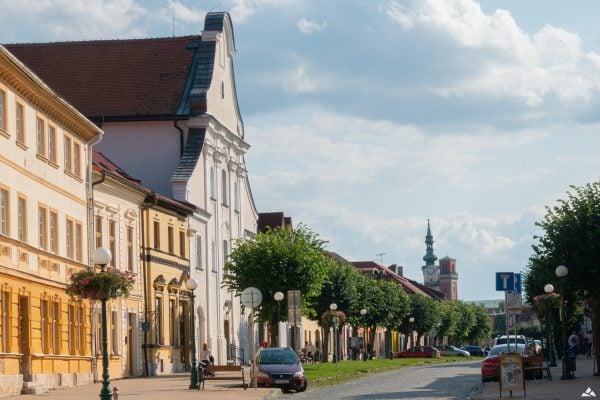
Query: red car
x=419, y=352
x=490, y=366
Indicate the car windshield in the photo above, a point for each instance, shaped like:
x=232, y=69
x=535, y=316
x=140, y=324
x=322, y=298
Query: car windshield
x=277, y=357
x=504, y=348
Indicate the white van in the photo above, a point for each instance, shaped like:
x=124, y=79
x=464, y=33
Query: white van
x=520, y=339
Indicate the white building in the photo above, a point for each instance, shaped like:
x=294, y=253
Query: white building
x=170, y=114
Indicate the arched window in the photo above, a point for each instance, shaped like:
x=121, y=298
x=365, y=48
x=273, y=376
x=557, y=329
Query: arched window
x=212, y=183
x=224, y=187
x=236, y=194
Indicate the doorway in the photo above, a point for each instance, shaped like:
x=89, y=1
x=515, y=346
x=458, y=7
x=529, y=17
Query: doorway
x=24, y=338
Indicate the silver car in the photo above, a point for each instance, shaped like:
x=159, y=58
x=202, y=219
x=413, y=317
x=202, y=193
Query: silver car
x=447, y=350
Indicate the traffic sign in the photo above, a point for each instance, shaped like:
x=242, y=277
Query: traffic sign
x=505, y=281
x=518, y=286
x=251, y=297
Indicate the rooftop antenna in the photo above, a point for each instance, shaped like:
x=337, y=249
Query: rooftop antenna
x=380, y=255
x=173, y=26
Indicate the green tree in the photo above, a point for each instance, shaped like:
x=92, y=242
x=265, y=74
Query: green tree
x=426, y=314
x=481, y=328
x=571, y=230
x=280, y=259
x=466, y=322
x=448, y=319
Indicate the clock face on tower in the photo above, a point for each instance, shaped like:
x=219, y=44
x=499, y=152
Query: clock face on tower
x=430, y=270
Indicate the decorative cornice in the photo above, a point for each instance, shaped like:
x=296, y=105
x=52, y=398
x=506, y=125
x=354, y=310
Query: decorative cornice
x=168, y=263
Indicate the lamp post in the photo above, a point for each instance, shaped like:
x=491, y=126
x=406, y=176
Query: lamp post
x=548, y=288
x=102, y=257
x=278, y=296
x=333, y=308
x=192, y=284
x=411, y=320
x=561, y=272
x=363, y=312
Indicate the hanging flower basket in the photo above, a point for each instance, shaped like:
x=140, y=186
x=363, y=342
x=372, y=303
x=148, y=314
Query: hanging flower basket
x=329, y=317
x=100, y=285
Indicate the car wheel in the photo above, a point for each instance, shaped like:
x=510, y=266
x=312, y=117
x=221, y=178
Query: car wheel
x=303, y=387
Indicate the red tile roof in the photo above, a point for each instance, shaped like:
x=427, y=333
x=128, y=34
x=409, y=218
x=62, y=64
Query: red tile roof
x=273, y=220
x=113, y=78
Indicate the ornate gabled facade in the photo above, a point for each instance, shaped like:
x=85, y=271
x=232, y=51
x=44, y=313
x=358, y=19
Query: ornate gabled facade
x=45, y=153
x=172, y=119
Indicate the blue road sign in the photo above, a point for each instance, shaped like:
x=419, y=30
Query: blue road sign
x=518, y=288
x=505, y=281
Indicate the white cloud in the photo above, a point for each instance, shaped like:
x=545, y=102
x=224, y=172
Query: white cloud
x=309, y=27
x=511, y=62
x=186, y=14
x=242, y=10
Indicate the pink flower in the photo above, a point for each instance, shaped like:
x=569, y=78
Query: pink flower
x=85, y=281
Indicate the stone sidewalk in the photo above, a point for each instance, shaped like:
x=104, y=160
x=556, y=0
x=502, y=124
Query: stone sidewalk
x=174, y=387
x=556, y=389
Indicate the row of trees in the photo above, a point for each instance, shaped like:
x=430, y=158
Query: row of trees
x=285, y=259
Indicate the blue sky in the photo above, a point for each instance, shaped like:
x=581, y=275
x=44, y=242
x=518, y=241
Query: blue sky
x=366, y=118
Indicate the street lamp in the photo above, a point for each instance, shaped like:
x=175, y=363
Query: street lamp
x=561, y=272
x=333, y=308
x=278, y=296
x=548, y=288
x=192, y=284
x=102, y=257
x=363, y=312
x=411, y=320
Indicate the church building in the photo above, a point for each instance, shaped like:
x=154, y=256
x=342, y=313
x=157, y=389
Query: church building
x=442, y=277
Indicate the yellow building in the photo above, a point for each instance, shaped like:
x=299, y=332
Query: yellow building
x=166, y=266
x=45, y=149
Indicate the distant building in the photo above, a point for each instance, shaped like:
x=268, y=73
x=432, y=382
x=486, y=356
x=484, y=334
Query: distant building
x=442, y=277
x=273, y=220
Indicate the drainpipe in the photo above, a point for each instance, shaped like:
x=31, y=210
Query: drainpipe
x=147, y=311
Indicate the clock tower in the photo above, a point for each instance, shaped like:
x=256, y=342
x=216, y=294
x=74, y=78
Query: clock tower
x=431, y=272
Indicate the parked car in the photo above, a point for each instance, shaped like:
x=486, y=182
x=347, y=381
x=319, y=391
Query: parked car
x=475, y=351
x=519, y=339
x=447, y=350
x=419, y=352
x=490, y=368
x=280, y=367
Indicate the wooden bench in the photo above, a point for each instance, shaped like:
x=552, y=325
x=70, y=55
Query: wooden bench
x=222, y=373
x=539, y=359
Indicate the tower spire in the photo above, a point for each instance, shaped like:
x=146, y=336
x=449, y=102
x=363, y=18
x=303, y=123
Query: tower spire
x=429, y=257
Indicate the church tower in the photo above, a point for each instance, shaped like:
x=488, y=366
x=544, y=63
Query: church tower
x=448, y=278
x=430, y=270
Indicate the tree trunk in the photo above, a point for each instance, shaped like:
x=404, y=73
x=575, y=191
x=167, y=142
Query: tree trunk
x=596, y=332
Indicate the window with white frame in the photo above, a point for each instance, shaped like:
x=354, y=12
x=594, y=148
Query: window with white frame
x=224, y=187
x=236, y=194
x=69, y=237
x=53, y=231
x=54, y=328
x=52, y=143
x=22, y=219
x=225, y=251
x=130, y=249
x=43, y=227
x=68, y=154
x=212, y=183
x=215, y=267
x=3, y=124
x=40, y=126
x=78, y=242
x=112, y=241
x=20, y=123
x=114, y=330
x=199, y=264
x=4, y=212
x=77, y=159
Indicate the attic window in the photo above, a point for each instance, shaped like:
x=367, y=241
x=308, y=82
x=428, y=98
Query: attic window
x=222, y=90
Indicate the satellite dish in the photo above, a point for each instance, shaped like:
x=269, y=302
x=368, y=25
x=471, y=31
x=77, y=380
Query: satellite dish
x=251, y=297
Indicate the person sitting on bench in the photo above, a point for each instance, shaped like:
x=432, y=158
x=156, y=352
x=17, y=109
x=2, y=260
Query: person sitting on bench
x=206, y=359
